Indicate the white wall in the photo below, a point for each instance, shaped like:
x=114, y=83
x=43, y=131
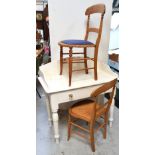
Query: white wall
x=114, y=39
x=114, y=33
x=68, y=21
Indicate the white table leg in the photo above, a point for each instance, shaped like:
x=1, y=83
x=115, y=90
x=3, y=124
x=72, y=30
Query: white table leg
x=111, y=119
x=55, y=117
x=56, y=125
x=48, y=110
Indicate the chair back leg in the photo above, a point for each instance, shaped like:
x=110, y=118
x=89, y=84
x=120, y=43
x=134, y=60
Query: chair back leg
x=95, y=69
x=70, y=66
x=61, y=60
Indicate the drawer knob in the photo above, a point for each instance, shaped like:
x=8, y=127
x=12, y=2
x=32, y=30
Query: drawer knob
x=70, y=96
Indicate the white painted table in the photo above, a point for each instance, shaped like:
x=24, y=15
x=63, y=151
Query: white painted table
x=57, y=88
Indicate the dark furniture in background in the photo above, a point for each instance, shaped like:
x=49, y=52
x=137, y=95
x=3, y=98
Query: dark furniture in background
x=39, y=60
x=41, y=22
x=115, y=6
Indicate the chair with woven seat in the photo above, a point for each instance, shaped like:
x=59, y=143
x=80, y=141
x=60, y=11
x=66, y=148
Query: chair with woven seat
x=90, y=111
x=98, y=8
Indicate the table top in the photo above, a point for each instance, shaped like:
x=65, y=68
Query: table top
x=53, y=82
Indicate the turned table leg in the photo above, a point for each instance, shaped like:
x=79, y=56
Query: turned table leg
x=48, y=110
x=112, y=110
x=56, y=125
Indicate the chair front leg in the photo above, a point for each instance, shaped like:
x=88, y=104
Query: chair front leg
x=70, y=65
x=85, y=60
x=92, y=136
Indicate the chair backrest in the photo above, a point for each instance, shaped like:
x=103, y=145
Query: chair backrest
x=104, y=88
x=98, y=8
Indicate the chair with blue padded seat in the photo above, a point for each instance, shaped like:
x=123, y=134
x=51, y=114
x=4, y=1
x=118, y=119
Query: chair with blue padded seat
x=98, y=8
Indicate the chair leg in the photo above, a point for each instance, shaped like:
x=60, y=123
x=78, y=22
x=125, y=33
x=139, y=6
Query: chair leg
x=61, y=60
x=70, y=66
x=92, y=137
x=105, y=126
x=85, y=61
x=69, y=127
x=38, y=93
x=95, y=69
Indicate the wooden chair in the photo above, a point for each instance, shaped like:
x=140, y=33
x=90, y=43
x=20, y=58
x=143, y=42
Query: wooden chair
x=98, y=8
x=90, y=111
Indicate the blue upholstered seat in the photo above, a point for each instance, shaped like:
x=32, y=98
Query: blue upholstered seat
x=77, y=42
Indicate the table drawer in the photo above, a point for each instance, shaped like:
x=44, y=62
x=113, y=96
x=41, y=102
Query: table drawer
x=72, y=95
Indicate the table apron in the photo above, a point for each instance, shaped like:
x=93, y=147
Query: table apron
x=71, y=95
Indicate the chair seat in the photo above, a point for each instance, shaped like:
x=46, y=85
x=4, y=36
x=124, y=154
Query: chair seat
x=76, y=43
x=83, y=110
